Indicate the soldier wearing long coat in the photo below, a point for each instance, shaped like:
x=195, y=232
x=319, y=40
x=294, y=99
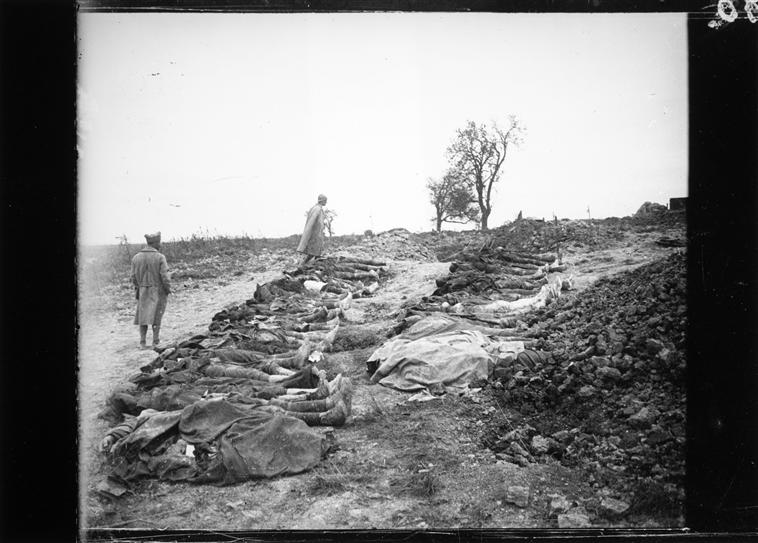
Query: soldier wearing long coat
x=312, y=240
x=152, y=287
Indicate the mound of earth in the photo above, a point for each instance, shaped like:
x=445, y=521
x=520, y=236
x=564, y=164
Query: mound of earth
x=610, y=396
x=551, y=236
x=395, y=244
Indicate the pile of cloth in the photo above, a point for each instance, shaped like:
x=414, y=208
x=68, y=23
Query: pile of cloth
x=245, y=399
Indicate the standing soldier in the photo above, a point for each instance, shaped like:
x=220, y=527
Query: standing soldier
x=312, y=241
x=151, y=283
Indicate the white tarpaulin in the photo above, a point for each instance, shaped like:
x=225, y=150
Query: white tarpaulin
x=450, y=360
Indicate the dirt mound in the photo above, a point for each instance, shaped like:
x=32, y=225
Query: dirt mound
x=650, y=208
x=612, y=393
x=395, y=244
x=558, y=236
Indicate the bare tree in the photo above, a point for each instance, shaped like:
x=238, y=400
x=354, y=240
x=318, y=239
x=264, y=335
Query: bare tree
x=478, y=151
x=452, y=199
x=329, y=215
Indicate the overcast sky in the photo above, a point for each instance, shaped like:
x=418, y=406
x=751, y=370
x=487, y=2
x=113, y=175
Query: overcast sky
x=234, y=123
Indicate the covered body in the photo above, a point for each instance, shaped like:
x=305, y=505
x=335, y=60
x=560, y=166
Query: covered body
x=151, y=282
x=312, y=240
x=448, y=360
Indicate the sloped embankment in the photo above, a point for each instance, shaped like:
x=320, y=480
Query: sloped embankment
x=611, y=396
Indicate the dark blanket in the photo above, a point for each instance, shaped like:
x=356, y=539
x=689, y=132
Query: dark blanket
x=205, y=420
x=253, y=442
x=270, y=445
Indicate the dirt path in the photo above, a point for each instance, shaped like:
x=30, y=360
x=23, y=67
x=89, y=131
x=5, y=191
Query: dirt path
x=397, y=464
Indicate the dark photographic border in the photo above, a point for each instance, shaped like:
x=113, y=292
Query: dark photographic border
x=38, y=387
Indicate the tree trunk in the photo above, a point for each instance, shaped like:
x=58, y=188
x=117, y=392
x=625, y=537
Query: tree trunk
x=485, y=216
x=439, y=223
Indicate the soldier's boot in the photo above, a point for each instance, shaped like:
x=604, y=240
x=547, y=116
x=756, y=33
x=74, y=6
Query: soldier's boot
x=156, y=334
x=143, y=336
x=336, y=416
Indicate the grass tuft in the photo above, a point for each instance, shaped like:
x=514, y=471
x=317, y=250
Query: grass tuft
x=335, y=481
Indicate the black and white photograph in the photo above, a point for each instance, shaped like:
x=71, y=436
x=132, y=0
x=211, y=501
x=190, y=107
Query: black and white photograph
x=382, y=270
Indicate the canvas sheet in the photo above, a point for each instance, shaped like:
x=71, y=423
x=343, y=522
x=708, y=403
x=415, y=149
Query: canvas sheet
x=448, y=360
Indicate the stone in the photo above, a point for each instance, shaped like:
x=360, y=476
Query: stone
x=653, y=346
x=613, y=507
x=540, y=444
x=559, y=505
x=658, y=435
x=517, y=495
x=643, y=418
x=664, y=355
x=600, y=361
x=586, y=391
x=562, y=436
x=609, y=374
x=574, y=519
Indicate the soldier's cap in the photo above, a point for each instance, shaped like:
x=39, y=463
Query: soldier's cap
x=152, y=238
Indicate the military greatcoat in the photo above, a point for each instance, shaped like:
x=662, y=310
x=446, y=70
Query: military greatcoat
x=151, y=282
x=312, y=241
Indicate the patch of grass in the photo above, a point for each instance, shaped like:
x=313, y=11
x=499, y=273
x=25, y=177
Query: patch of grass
x=336, y=480
x=477, y=514
x=326, y=485
x=420, y=477
x=423, y=484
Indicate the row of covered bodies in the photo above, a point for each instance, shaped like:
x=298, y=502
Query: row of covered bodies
x=246, y=399
x=471, y=325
